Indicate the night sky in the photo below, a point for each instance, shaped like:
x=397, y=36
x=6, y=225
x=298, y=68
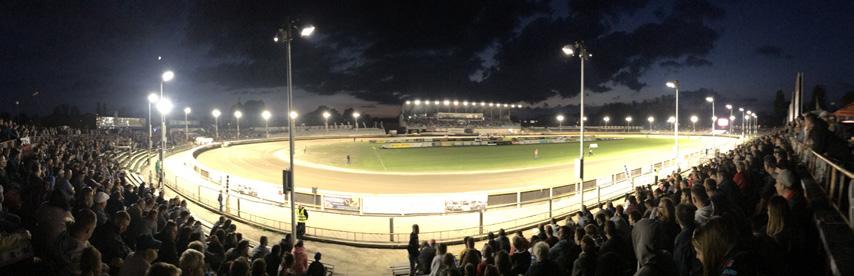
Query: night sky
x=373, y=55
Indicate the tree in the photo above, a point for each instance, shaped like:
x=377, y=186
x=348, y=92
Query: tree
x=818, y=100
x=848, y=98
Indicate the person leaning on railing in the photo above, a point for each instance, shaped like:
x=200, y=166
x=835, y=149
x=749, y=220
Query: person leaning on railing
x=824, y=142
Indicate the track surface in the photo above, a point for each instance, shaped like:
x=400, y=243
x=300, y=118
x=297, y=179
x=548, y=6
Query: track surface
x=259, y=161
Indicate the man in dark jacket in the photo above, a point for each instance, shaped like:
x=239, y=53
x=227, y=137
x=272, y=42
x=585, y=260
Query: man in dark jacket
x=412, y=249
x=822, y=141
x=425, y=257
x=503, y=241
x=521, y=258
x=565, y=251
x=108, y=238
x=648, y=244
x=683, y=251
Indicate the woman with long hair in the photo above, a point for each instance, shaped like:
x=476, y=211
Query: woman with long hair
x=716, y=245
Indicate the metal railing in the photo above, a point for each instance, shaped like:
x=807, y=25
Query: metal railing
x=547, y=203
x=834, y=179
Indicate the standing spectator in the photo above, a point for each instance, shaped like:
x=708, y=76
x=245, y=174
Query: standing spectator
x=259, y=268
x=652, y=260
x=683, y=253
x=716, y=247
x=261, y=250
x=168, y=253
x=704, y=206
x=300, y=258
x=619, y=246
x=316, y=268
x=273, y=259
x=667, y=219
x=503, y=241
x=302, y=218
x=108, y=239
x=140, y=260
x=412, y=249
x=504, y=263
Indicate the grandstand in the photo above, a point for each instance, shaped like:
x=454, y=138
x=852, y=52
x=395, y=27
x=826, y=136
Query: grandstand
x=456, y=116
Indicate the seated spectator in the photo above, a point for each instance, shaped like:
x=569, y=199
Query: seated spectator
x=192, y=263
x=425, y=256
x=564, y=252
x=108, y=239
x=316, y=268
x=163, y=269
x=168, y=253
x=521, y=258
x=585, y=264
x=436, y=264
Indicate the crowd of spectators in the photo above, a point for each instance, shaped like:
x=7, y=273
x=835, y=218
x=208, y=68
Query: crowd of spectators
x=741, y=213
x=67, y=208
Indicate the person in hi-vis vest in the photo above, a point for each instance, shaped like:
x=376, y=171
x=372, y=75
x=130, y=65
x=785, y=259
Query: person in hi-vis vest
x=302, y=217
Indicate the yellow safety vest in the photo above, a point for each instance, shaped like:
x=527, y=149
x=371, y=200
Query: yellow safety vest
x=301, y=215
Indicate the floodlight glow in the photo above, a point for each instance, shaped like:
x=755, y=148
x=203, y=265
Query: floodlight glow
x=164, y=106
x=216, y=113
x=187, y=110
x=748, y=112
x=408, y=103
x=465, y=103
x=671, y=119
x=741, y=109
x=275, y=39
x=568, y=50
x=732, y=118
x=153, y=98
x=505, y=105
x=714, y=118
x=710, y=99
x=238, y=114
x=326, y=115
x=491, y=105
x=694, y=118
x=729, y=106
x=266, y=115
x=559, y=118
x=629, y=119
x=307, y=31
x=446, y=102
x=723, y=122
x=584, y=118
x=168, y=76
x=417, y=102
x=482, y=103
x=606, y=119
x=672, y=84
x=293, y=115
x=356, y=115
x=650, y=119
x=436, y=102
x=456, y=103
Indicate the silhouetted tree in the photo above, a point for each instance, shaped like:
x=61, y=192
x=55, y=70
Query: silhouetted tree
x=818, y=99
x=848, y=98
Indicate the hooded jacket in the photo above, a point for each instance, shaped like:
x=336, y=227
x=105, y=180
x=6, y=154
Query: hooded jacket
x=648, y=243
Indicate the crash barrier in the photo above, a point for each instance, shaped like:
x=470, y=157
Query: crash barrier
x=265, y=205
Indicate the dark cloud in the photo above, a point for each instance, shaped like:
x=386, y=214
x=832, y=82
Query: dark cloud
x=772, y=52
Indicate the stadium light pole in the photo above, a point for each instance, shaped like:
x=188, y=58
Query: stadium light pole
x=694, y=123
x=356, y=119
x=164, y=105
x=714, y=117
x=216, y=114
x=187, y=111
x=266, y=115
x=607, y=120
x=628, y=122
x=152, y=99
x=729, y=106
x=578, y=49
x=675, y=85
x=742, y=120
x=326, y=116
x=650, y=119
x=237, y=115
x=559, y=122
x=287, y=34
